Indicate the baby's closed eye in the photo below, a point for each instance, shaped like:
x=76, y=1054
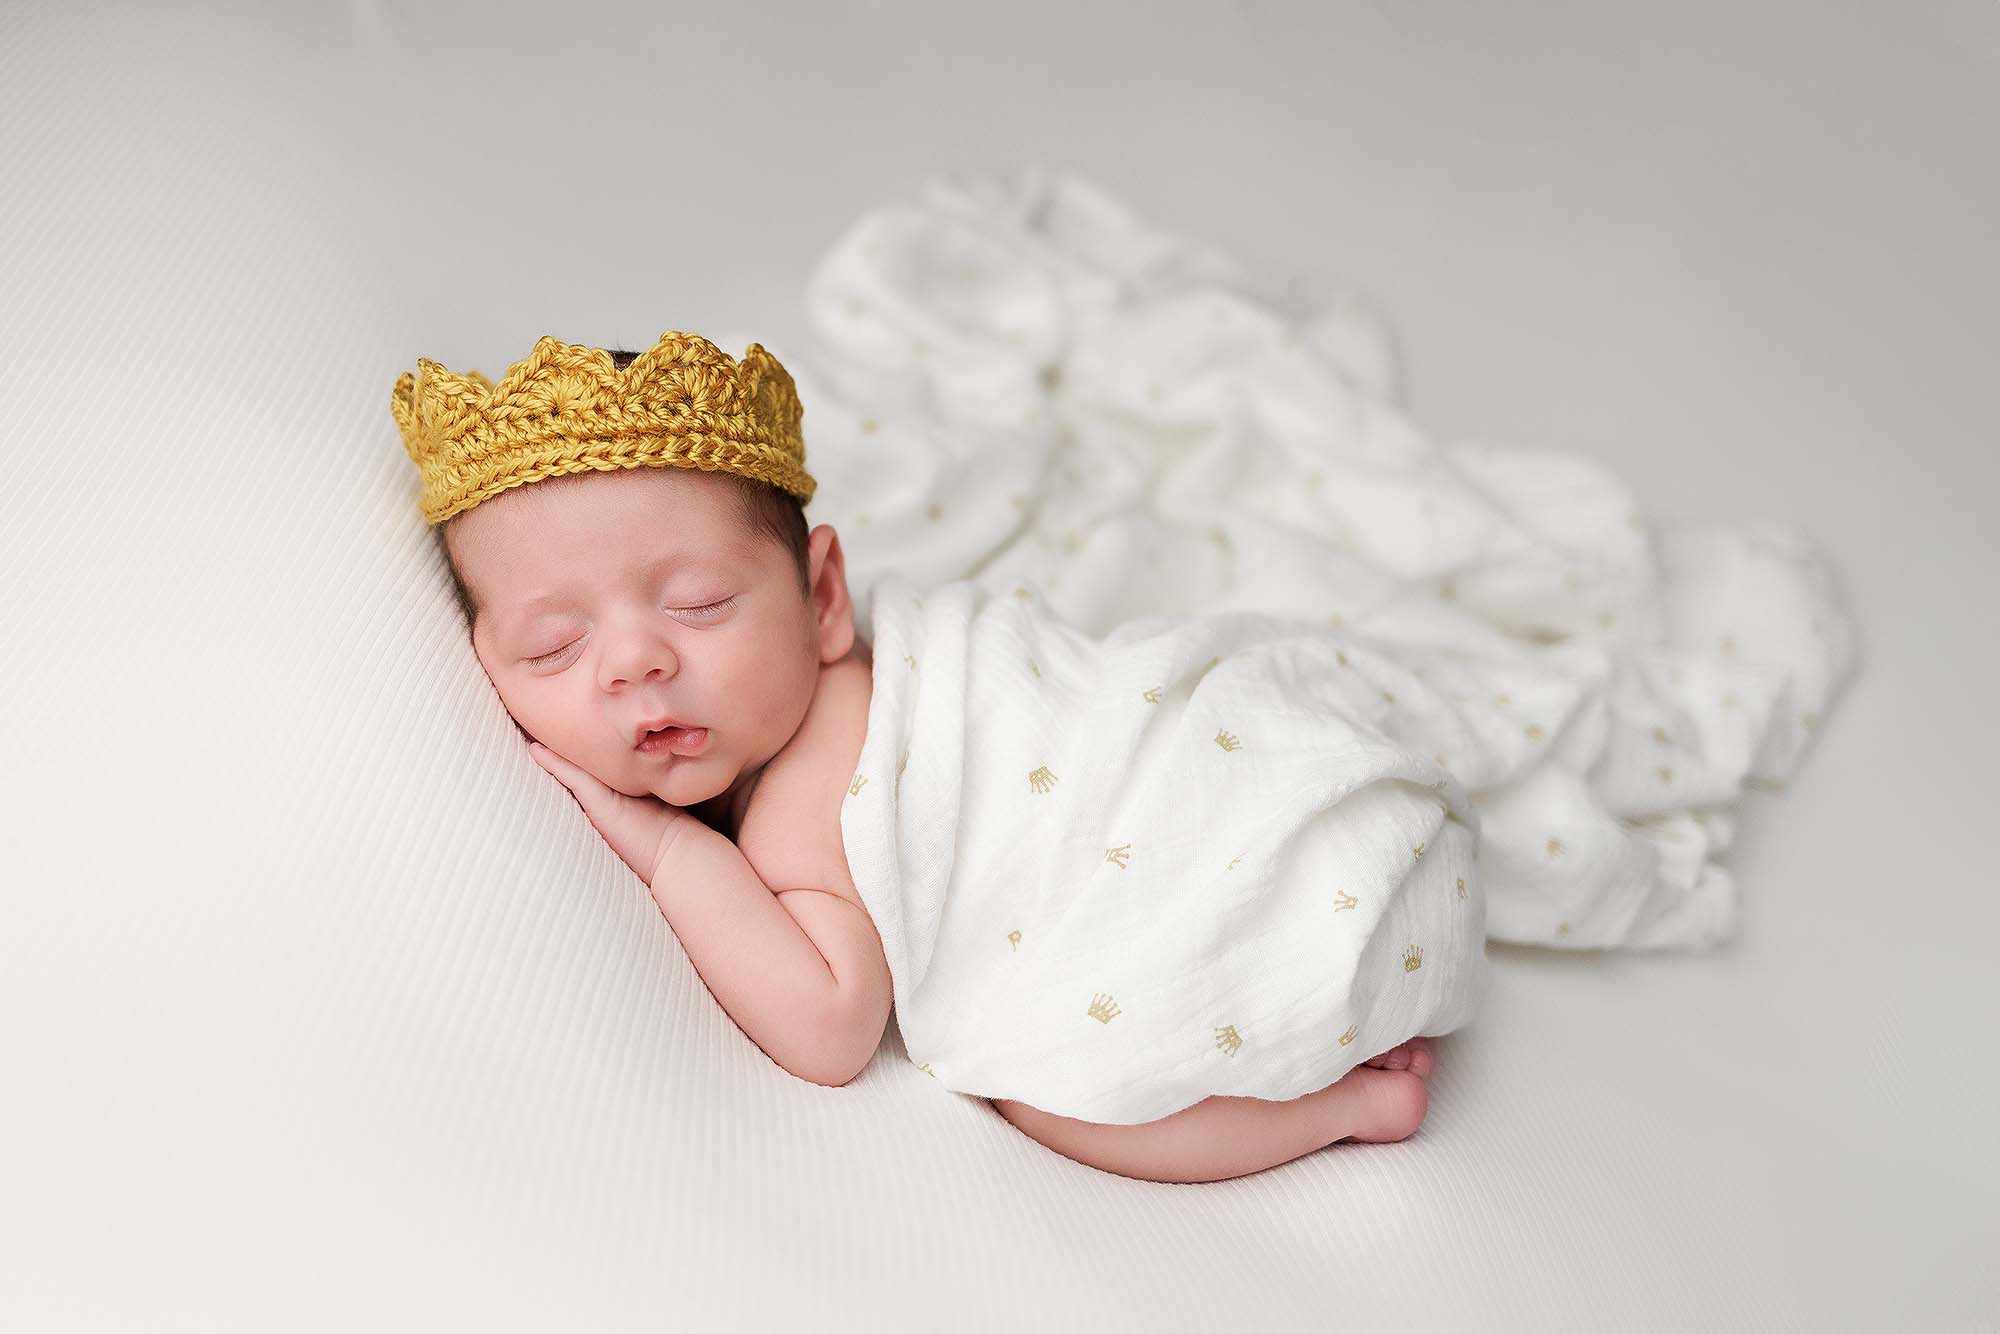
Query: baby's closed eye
x=556, y=657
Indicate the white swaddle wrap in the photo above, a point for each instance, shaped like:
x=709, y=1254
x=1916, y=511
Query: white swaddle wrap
x=1116, y=875
x=1024, y=382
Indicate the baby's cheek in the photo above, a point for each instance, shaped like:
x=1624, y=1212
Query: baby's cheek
x=544, y=715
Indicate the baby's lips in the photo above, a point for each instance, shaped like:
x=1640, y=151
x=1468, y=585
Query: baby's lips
x=656, y=725
x=678, y=741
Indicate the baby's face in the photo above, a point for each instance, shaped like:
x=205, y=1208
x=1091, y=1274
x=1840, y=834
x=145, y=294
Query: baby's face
x=610, y=600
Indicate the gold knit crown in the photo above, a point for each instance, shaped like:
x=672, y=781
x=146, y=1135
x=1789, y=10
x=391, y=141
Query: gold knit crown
x=682, y=403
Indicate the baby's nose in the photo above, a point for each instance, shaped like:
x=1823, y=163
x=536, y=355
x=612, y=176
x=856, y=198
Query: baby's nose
x=634, y=667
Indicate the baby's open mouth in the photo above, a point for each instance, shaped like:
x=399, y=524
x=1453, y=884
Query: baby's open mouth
x=674, y=741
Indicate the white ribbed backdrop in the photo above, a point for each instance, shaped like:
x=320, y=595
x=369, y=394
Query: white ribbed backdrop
x=322, y=1008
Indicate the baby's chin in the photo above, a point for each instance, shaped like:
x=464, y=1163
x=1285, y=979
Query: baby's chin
x=674, y=789
x=685, y=783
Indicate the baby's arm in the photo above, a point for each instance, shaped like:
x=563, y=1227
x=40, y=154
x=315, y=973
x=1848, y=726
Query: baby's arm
x=766, y=964
x=753, y=955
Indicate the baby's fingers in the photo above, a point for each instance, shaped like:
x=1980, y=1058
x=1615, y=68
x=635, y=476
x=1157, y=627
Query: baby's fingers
x=575, y=779
x=635, y=827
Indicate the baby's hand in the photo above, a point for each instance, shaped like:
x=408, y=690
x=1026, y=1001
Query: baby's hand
x=639, y=829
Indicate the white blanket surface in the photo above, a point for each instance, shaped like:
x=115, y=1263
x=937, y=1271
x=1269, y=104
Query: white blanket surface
x=1114, y=876
x=1020, y=383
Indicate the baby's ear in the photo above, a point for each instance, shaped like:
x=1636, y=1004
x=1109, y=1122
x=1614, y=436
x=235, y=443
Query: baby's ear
x=833, y=610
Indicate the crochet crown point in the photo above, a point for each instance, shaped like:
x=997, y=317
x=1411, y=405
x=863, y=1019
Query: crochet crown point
x=566, y=407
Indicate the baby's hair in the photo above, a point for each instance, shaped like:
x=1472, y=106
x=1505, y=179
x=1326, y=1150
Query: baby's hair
x=767, y=513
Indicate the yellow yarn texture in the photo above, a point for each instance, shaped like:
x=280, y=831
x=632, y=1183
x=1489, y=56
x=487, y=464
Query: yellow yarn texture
x=682, y=403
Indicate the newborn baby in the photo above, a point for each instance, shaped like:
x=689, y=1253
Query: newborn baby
x=682, y=653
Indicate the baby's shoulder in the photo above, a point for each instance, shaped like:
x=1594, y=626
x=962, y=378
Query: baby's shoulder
x=790, y=831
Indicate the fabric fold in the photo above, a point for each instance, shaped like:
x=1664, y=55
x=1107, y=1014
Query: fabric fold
x=1021, y=382
x=1115, y=875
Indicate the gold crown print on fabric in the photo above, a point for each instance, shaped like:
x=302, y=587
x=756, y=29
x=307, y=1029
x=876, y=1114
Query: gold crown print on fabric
x=682, y=403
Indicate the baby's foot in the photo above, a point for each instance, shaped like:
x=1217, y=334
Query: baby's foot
x=1377, y=1106
x=1415, y=1056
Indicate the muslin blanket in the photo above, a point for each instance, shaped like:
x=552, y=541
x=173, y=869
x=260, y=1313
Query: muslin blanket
x=1019, y=381
x=1114, y=875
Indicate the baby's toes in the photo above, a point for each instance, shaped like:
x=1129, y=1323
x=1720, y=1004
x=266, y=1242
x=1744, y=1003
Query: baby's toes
x=1396, y=1058
x=1416, y=1056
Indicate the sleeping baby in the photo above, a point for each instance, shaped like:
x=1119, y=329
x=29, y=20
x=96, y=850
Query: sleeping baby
x=1154, y=895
